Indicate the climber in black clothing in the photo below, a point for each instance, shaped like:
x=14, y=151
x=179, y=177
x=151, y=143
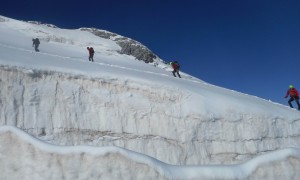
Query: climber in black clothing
x=36, y=43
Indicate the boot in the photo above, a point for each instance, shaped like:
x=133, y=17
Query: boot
x=174, y=74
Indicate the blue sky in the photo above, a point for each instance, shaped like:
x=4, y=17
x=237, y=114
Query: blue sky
x=248, y=46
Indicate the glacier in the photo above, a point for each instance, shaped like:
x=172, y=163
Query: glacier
x=129, y=106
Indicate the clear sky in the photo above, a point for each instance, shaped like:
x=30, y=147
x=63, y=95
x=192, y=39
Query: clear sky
x=251, y=46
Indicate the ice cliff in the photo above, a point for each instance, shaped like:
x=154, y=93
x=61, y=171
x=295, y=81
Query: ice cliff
x=28, y=158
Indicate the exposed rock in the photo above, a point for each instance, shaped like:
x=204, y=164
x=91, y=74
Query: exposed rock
x=2, y=19
x=129, y=46
x=41, y=23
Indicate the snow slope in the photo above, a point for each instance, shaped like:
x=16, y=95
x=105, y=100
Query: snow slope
x=59, y=97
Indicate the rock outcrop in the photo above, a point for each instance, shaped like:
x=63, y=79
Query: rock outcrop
x=128, y=46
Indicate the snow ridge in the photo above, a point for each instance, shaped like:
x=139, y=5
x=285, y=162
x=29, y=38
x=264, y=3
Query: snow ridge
x=242, y=170
x=185, y=77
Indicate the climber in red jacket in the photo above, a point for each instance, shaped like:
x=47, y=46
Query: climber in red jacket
x=294, y=95
x=91, y=53
x=176, y=67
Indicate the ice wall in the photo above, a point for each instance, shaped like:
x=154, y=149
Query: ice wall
x=24, y=157
x=22, y=160
x=67, y=109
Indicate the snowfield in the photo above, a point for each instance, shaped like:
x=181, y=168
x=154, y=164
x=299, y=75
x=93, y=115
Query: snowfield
x=63, y=117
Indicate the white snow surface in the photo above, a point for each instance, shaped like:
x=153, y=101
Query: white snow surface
x=11, y=135
x=118, y=105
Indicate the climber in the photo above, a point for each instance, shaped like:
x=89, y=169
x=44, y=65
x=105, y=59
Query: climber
x=294, y=95
x=176, y=67
x=36, y=43
x=91, y=53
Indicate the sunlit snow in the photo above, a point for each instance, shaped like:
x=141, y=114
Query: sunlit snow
x=117, y=114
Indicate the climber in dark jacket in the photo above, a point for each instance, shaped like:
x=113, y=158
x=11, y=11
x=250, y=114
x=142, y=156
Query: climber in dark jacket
x=176, y=67
x=91, y=53
x=35, y=44
x=294, y=95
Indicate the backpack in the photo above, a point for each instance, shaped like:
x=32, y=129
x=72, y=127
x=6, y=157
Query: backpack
x=177, y=64
x=92, y=50
x=293, y=92
x=36, y=41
